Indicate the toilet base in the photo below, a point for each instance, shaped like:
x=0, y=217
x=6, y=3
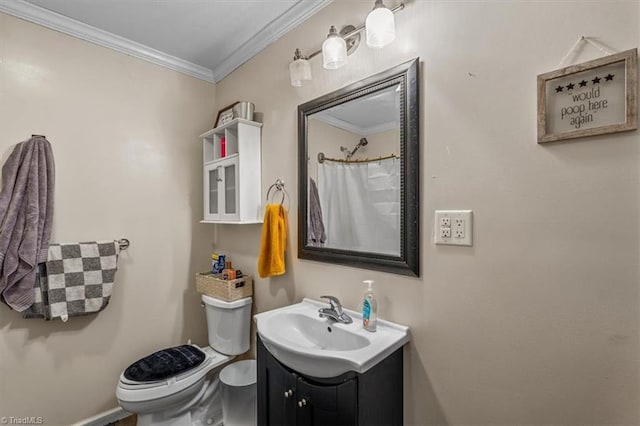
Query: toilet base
x=205, y=409
x=161, y=419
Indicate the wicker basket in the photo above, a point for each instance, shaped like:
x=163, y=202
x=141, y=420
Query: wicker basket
x=223, y=289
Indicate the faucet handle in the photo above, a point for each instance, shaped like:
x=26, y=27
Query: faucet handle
x=333, y=301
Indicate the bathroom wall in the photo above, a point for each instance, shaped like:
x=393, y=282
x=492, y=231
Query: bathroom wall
x=125, y=139
x=327, y=139
x=380, y=144
x=538, y=322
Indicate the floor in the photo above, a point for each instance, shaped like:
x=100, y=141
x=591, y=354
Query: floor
x=127, y=421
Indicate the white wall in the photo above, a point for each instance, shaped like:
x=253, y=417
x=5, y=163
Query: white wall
x=129, y=164
x=538, y=323
x=327, y=139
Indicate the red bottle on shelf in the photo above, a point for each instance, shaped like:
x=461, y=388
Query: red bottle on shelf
x=223, y=147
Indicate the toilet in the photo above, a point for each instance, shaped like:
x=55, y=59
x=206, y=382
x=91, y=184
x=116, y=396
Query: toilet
x=195, y=396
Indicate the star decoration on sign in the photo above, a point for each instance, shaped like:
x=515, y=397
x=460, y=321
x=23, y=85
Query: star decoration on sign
x=583, y=83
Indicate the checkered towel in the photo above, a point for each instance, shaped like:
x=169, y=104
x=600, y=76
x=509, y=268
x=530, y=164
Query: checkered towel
x=77, y=280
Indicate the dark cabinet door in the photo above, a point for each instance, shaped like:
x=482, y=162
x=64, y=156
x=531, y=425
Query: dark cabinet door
x=276, y=392
x=322, y=405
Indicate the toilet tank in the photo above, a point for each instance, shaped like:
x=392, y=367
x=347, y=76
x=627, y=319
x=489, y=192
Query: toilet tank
x=228, y=324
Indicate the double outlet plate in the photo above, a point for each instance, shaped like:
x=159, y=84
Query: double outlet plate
x=454, y=227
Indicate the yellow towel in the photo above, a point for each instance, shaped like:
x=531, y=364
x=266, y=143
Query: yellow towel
x=274, y=241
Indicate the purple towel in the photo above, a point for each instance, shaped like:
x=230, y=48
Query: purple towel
x=317, y=235
x=26, y=213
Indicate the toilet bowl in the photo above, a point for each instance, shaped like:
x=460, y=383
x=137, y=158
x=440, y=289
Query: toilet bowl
x=193, y=397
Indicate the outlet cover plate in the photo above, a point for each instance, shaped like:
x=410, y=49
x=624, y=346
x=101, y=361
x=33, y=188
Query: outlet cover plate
x=467, y=227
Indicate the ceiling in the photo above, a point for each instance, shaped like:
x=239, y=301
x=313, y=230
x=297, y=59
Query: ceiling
x=367, y=115
x=208, y=38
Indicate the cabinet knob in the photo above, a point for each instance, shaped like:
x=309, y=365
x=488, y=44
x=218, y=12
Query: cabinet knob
x=288, y=393
x=302, y=402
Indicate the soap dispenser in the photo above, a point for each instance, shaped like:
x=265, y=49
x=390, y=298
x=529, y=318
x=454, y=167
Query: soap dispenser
x=369, y=308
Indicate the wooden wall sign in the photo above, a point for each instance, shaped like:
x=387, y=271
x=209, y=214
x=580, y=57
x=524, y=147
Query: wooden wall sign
x=592, y=98
x=225, y=115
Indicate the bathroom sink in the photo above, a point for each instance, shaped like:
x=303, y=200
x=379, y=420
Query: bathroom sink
x=320, y=347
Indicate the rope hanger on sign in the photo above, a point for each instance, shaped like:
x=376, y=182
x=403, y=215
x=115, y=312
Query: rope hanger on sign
x=584, y=39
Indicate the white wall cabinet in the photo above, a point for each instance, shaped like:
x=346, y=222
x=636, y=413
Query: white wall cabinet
x=232, y=173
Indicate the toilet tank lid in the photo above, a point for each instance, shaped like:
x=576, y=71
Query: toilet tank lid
x=218, y=303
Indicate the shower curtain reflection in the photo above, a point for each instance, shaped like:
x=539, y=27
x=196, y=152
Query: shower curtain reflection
x=361, y=205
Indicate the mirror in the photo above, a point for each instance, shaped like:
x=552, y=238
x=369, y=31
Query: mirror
x=358, y=174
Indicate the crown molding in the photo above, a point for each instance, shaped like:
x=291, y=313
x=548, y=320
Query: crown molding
x=293, y=17
x=55, y=21
x=269, y=34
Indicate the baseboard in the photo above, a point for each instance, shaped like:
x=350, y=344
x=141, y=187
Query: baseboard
x=104, y=418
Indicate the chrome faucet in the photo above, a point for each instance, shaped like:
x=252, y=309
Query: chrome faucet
x=334, y=312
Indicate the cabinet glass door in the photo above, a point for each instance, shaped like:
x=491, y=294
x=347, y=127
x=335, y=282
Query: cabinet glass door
x=229, y=189
x=213, y=190
x=212, y=179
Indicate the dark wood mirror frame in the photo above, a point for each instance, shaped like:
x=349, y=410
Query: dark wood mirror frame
x=407, y=263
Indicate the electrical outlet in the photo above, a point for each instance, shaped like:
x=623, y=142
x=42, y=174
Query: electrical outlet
x=458, y=227
x=453, y=227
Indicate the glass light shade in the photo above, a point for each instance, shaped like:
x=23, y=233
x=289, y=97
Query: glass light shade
x=381, y=27
x=299, y=71
x=334, y=52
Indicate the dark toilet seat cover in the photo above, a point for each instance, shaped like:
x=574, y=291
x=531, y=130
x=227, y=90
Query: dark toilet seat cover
x=165, y=363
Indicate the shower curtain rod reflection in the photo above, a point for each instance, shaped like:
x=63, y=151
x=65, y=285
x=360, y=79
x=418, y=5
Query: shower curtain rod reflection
x=322, y=158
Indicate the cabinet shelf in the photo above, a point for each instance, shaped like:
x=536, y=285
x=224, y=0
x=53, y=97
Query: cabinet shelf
x=217, y=160
x=233, y=222
x=232, y=124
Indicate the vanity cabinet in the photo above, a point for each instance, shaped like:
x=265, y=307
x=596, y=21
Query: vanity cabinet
x=286, y=397
x=232, y=172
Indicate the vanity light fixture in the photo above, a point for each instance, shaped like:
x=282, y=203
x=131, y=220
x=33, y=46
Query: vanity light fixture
x=334, y=50
x=381, y=26
x=299, y=69
x=380, y=29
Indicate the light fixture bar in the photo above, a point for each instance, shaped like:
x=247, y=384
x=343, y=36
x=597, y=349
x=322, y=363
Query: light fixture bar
x=359, y=29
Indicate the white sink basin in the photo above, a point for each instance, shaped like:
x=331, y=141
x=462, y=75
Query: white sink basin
x=320, y=347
